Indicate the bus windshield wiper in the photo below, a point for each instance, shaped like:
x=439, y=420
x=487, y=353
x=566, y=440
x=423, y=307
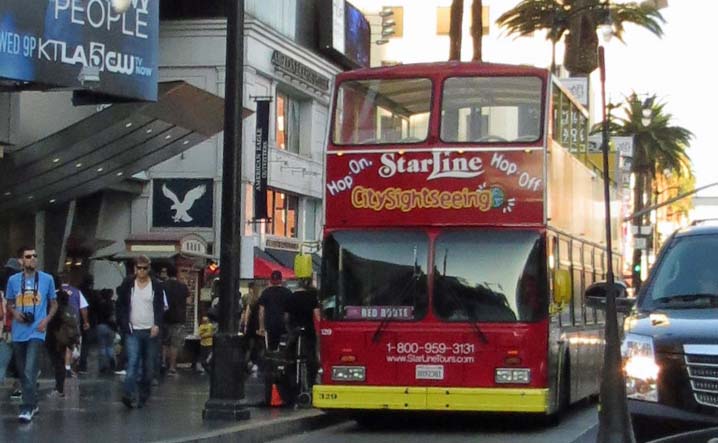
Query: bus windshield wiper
x=699, y=299
x=465, y=307
x=385, y=321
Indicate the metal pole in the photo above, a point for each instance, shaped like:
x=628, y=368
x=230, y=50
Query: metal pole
x=614, y=422
x=227, y=377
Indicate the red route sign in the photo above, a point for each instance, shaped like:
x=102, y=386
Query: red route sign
x=435, y=188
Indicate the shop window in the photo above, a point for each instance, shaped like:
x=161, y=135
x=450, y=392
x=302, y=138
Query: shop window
x=287, y=123
x=282, y=211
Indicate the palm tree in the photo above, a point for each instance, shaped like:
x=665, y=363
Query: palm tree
x=457, y=15
x=658, y=146
x=580, y=19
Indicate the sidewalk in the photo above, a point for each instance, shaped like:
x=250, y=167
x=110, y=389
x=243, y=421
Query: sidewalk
x=92, y=412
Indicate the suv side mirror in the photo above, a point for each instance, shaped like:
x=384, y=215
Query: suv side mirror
x=597, y=293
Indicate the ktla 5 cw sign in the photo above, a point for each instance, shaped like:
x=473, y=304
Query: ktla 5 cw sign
x=82, y=44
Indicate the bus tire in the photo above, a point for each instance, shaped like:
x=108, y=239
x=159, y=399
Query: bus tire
x=563, y=397
x=564, y=390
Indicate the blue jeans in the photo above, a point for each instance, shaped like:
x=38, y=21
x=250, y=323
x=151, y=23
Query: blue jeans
x=141, y=350
x=27, y=354
x=105, y=339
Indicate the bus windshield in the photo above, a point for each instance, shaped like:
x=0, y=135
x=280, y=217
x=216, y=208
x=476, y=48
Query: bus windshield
x=491, y=109
x=382, y=111
x=372, y=275
x=489, y=276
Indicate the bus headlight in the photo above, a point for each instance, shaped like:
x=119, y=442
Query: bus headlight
x=348, y=373
x=639, y=365
x=512, y=375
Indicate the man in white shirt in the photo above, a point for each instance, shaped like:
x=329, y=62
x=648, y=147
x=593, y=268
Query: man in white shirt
x=139, y=311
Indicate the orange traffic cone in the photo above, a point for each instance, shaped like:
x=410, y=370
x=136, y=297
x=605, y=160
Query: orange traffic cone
x=276, y=398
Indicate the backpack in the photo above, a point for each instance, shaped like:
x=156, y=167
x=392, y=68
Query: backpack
x=67, y=331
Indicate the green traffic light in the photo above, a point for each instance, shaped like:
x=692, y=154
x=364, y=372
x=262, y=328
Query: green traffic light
x=637, y=268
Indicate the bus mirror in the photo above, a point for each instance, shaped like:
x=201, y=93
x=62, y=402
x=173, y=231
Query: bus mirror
x=561, y=287
x=596, y=296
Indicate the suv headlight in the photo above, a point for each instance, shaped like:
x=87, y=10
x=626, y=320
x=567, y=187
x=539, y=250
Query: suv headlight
x=639, y=365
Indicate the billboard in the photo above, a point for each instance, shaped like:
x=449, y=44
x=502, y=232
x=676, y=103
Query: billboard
x=344, y=33
x=81, y=44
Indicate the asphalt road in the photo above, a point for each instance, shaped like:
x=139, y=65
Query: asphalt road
x=578, y=426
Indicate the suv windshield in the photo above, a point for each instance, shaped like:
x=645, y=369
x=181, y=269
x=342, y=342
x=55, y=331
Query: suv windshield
x=374, y=275
x=382, y=111
x=489, y=276
x=685, y=277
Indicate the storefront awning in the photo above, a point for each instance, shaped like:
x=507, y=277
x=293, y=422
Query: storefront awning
x=264, y=264
x=108, y=147
x=286, y=258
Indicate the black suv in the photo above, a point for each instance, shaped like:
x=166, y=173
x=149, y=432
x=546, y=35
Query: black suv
x=670, y=347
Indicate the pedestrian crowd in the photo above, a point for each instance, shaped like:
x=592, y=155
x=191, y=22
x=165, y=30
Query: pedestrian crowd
x=139, y=328
x=45, y=313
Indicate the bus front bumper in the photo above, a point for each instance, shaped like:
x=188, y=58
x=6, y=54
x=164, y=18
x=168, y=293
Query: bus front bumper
x=329, y=397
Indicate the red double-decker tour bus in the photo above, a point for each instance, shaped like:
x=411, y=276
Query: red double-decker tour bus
x=464, y=217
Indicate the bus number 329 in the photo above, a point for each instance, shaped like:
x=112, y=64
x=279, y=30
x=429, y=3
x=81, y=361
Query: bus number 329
x=430, y=348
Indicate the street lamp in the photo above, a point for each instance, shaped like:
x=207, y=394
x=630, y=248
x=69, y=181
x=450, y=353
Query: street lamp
x=646, y=108
x=227, y=376
x=614, y=422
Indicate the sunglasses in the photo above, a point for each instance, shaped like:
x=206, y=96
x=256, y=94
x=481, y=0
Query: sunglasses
x=142, y=268
x=31, y=256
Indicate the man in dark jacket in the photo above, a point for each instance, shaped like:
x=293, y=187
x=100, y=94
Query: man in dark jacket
x=139, y=311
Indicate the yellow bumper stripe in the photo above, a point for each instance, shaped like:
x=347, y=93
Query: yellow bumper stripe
x=420, y=398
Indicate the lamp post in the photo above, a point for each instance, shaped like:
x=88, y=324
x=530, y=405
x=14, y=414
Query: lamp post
x=227, y=382
x=640, y=188
x=614, y=422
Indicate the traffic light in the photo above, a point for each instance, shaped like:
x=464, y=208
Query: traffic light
x=637, y=268
x=387, y=24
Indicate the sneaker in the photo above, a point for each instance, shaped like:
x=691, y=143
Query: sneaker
x=69, y=373
x=55, y=394
x=127, y=401
x=122, y=372
x=172, y=372
x=25, y=416
x=16, y=394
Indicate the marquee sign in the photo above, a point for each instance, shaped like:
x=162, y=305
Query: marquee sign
x=425, y=188
x=81, y=44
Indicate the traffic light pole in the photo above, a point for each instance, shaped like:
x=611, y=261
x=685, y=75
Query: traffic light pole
x=227, y=377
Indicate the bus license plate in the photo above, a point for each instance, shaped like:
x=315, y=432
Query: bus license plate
x=429, y=372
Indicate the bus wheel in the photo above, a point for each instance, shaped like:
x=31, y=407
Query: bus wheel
x=564, y=390
x=564, y=396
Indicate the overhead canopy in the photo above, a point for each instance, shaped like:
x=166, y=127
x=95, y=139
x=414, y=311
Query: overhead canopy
x=106, y=148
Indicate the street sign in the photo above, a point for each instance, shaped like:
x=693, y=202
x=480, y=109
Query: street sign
x=641, y=230
x=623, y=144
x=640, y=242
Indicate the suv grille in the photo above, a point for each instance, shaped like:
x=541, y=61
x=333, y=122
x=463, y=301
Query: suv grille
x=702, y=364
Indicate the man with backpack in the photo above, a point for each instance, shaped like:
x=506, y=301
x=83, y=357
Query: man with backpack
x=63, y=333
